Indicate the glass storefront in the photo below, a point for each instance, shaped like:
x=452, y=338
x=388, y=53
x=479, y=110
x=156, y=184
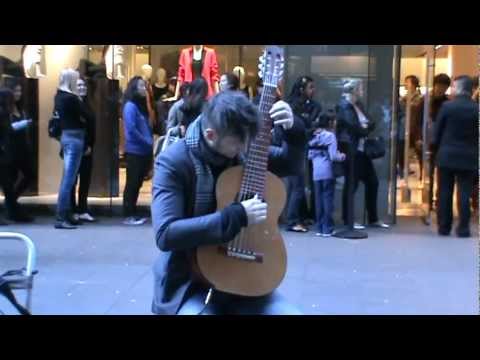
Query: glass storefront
x=330, y=66
x=108, y=68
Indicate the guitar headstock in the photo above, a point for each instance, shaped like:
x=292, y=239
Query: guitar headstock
x=271, y=65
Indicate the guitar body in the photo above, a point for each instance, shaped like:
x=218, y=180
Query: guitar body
x=260, y=272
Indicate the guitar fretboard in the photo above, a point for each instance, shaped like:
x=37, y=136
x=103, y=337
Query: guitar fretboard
x=255, y=168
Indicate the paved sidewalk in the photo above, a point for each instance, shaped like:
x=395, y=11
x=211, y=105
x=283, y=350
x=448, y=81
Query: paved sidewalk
x=105, y=268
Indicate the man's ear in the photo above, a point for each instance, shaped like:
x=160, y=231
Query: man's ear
x=210, y=134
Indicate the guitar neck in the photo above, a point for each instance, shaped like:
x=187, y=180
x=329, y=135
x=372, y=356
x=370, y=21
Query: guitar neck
x=257, y=158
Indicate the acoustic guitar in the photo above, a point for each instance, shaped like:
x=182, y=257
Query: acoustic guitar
x=255, y=262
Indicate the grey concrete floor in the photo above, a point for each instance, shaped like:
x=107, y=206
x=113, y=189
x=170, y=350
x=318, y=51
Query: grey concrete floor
x=106, y=268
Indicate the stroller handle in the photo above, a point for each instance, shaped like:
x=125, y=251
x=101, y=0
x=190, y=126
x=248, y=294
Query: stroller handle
x=31, y=252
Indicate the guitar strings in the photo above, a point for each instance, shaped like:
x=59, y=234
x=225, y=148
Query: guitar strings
x=252, y=178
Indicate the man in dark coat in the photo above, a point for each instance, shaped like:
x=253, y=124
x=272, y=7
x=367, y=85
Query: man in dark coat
x=456, y=144
x=183, y=207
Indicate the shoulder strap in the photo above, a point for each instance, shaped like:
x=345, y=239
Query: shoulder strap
x=6, y=291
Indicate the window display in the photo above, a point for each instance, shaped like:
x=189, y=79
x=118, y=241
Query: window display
x=115, y=62
x=197, y=61
x=33, y=57
x=239, y=72
x=160, y=87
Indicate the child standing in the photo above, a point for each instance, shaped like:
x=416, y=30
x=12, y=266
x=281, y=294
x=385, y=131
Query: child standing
x=323, y=151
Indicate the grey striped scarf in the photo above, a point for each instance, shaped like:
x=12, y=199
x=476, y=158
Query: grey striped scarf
x=205, y=202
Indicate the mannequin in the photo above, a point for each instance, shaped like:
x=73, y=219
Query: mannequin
x=114, y=62
x=239, y=72
x=33, y=57
x=160, y=88
x=198, y=60
x=147, y=71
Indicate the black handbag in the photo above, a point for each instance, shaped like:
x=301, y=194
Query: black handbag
x=54, y=128
x=375, y=147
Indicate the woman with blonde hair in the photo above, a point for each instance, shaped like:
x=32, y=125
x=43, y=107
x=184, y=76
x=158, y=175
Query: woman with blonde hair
x=353, y=127
x=67, y=106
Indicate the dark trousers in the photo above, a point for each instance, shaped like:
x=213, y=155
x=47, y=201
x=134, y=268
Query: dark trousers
x=22, y=164
x=465, y=180
x=6, y=183
x=363, y=171
x=137, y=168
x=226, y=304
x=84, y=177
x=310, y=212
x=401, y=157
x=297, y=200
x=324, y=193
x=419, y=153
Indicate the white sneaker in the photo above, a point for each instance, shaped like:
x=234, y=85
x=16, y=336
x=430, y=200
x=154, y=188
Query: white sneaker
x=379, y=224
x=76, y=217
x=318, y=234
x=358, y=226
x=132, y=221
x=86, y=217
x=143, y=220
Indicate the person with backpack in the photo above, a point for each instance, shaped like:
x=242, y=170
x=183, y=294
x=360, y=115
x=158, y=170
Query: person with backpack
x=323, y=152
x=187, y=109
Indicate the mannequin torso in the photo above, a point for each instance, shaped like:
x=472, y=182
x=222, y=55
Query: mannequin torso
x=114, y=62
x=160, y=87
x=240, y=73
x=146, y=76
x=191, y=61
x=33, y=61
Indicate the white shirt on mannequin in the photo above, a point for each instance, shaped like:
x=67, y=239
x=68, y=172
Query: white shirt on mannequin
x=197, y=52
x=34, y=61
x=114, y=62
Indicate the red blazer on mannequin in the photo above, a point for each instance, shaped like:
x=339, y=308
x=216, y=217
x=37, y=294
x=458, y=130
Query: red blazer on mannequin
x=209, y=71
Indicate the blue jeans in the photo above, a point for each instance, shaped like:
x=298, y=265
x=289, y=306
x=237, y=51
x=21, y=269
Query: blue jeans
x=72, y=142
x=226, y=304
x=324, y=193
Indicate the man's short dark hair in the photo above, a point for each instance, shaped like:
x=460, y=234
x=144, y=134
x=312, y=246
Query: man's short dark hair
x=231, y=113
x=442, y=79
x=463, y=85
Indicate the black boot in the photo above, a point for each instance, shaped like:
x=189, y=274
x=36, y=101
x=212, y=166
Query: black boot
x=20, y=216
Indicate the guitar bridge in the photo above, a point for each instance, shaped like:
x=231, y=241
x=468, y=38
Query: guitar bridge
x=241, y=254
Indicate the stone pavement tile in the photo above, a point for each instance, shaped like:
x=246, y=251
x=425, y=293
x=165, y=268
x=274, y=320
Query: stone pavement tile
x=137, y=300
x=291, y=289
x=329, y=296
x=69, y=295
x=328, y=304
x=409, y=266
